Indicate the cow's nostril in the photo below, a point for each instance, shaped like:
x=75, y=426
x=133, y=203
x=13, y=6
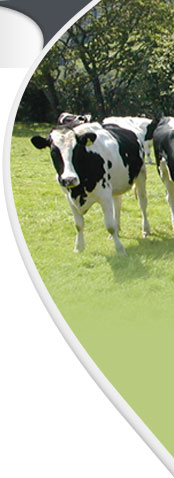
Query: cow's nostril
x=69, y=182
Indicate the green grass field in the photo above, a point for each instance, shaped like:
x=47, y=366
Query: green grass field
x=120, y=308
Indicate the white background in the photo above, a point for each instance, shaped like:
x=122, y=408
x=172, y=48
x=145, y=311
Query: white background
x=55, y=421
x=20, y=38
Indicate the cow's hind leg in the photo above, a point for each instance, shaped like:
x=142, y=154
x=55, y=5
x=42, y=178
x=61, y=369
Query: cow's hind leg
x=147, y=151
x=110, y=222
x=169, y=184
x=170, y=199
x=142, y=199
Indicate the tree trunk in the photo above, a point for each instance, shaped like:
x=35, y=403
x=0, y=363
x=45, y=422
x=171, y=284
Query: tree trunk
x=51, y=96
x=99, y=96
x=92, y=72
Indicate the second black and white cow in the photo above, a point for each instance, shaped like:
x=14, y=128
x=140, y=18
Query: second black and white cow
x=141, y=126
x=163, y=140
x=97, y=163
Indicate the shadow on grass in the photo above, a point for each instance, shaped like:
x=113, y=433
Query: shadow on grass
x=139, y=261
x=126, y=269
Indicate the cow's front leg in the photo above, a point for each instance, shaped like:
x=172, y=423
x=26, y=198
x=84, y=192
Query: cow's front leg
x=79, y=224
x=142, y=199
x=110, y=221
x=79, y=242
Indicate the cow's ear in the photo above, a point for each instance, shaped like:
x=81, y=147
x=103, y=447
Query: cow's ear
x=40, y=142
x=86, y=139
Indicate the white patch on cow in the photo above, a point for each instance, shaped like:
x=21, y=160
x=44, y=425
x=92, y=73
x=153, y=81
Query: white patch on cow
x=66, y=142
x=171, y=122
x=62, y=140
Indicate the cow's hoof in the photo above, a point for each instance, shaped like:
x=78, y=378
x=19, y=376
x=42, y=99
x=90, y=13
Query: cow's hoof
x=78, y=249
x=146, y=234
x=121, y=251
x=146, y=230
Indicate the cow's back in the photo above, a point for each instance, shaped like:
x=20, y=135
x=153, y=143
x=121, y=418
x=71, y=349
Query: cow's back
x=130, y=149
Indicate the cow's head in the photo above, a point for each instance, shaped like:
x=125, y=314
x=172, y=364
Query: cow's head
x=65, y=145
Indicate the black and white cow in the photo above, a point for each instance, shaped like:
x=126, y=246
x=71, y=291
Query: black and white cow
x=96, y=163
x=163, y=140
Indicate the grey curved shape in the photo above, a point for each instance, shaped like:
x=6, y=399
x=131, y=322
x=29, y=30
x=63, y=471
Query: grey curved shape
x=50, y=15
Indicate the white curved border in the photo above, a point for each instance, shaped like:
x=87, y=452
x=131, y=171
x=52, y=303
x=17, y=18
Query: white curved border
x=121, y=405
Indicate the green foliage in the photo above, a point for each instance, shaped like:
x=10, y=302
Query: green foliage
x=116, y=59
x=121, y=309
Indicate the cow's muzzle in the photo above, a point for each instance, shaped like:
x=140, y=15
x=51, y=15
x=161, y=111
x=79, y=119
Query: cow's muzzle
x=69, y=183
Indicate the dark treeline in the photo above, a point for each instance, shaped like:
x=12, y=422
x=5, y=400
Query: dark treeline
x=117, y=59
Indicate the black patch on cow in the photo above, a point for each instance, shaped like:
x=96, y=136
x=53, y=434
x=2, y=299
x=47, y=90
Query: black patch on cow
x=109, y=164
x=57, y=159
x=104, y=183
x=109, y=176
x=79, y=191
x=129, y=149
x=90, y=168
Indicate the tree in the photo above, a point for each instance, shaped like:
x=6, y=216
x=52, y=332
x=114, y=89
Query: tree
x=116, y=59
